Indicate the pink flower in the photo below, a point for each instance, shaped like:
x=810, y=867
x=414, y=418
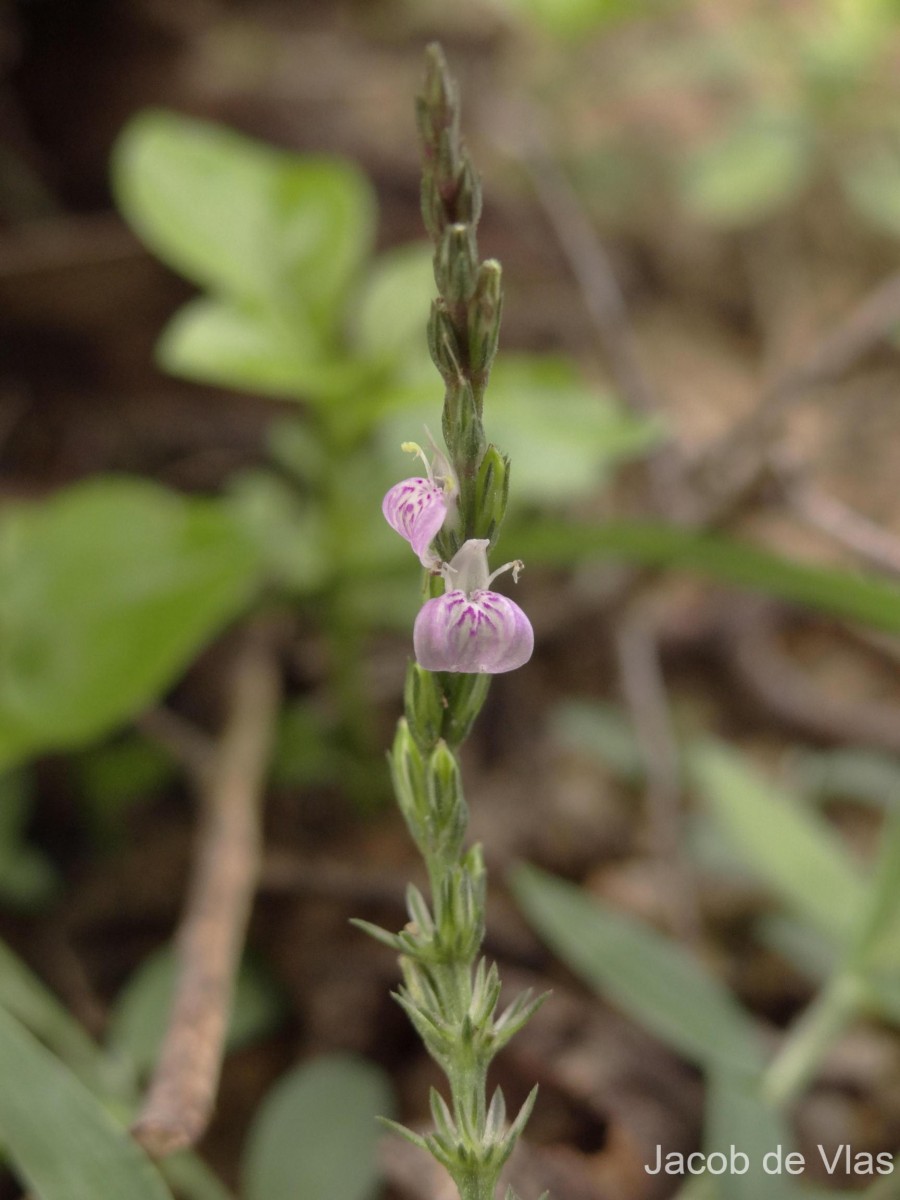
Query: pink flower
x=417, y=508
x=471, y=629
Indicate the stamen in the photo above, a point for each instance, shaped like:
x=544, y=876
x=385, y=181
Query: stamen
x=415, y=448
x=516, y=566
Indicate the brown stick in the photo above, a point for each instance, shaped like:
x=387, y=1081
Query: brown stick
x=849, y=528
x=181, y=1096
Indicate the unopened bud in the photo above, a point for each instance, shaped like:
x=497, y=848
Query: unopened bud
x=491, y=493
x=466, y=694
x=456, y=264
x=408, y=774
x=485, y=310
x=424, y=704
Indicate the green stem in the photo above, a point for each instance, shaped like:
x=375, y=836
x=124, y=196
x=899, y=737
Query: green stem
x=811, y=1037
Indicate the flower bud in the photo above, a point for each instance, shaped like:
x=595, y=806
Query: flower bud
x=491, y=493
x=485, y=310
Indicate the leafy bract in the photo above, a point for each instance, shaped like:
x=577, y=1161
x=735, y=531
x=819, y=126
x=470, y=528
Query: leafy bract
x=110, y=588
x=59, y=1138
x=649, y=976
x=315, y=1133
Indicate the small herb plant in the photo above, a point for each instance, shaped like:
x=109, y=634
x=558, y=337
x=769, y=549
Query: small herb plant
x=451, y=518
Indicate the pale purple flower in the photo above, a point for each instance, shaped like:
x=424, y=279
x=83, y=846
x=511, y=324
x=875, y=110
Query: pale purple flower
x=417, y=508
x=471, y=629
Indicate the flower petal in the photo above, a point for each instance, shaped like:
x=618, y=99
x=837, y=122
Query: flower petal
x=416, y=509
x=481, y=633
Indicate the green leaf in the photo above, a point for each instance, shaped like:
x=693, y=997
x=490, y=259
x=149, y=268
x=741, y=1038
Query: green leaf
x=233, y=345
x=191, y=1179
x=562, y=436
x=315, y=1134
x=244, y=219
x=110, y=588
x=737, y=1116
x=650, y=977
x=141, y=1011
x=792, y=848
x=60, y=1140
x=395, y=302
x=757, y=167
x=846, y=594
x=24, y=996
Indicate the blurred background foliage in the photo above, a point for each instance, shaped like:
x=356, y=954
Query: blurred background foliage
x=215, y=289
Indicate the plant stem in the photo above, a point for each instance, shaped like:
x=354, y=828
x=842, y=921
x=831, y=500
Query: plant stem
x=811, y=1037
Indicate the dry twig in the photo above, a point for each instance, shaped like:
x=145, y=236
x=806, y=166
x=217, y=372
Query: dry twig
x=849, y=528
x=182, y=1093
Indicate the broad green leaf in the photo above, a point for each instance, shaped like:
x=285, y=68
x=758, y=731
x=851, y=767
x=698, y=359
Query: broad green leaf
x=220, y=342
x=756, y=167
x=793, y=849
x=648, y=976
x=315, y=1134
x=141, y=1011
x=253, y=350
x=871, y=181
x=110, y=588
x=561, y=435
x=738, y=1118
x=846, y=594
x=395, y=302
x=60, y=1140
x=242, y=218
